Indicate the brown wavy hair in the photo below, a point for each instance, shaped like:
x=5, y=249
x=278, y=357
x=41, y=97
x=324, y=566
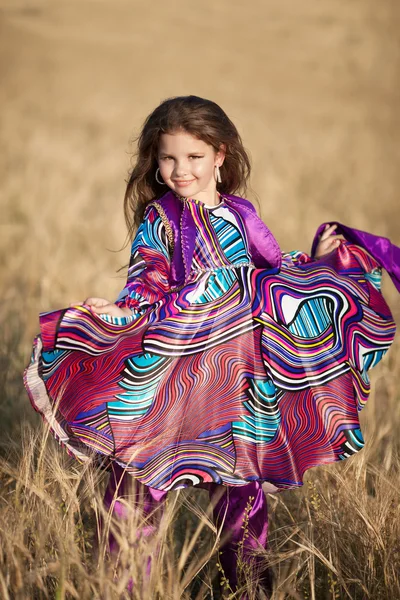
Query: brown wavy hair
x=200, y=118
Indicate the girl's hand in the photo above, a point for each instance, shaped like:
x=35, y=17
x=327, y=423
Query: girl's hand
x=327, y=241
x=101, y=306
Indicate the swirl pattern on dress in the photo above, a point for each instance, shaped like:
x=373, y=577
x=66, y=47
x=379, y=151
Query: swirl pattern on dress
x=243, y=374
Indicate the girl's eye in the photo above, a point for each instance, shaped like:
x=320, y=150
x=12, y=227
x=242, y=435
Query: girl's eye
x=190, y=156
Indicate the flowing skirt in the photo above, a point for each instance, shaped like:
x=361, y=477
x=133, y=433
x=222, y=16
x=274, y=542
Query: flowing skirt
x=243, y=375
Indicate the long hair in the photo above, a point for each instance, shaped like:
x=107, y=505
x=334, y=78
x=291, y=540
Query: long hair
x=200, y=118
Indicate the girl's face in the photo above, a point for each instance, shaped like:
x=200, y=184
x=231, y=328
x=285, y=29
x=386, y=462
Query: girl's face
x=187, y=165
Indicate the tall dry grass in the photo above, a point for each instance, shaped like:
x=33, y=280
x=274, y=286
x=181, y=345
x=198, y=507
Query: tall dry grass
x=314, y=90
x=339, y=537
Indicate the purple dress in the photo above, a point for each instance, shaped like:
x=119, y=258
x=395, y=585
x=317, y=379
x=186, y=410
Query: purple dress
x=243, y=374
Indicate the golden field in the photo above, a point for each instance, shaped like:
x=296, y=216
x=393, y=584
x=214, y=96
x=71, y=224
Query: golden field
x=314, y=88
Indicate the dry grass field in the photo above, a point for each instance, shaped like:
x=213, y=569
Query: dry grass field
x=314, y=88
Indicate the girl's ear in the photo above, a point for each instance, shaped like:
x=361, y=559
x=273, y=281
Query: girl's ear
x=220, y=155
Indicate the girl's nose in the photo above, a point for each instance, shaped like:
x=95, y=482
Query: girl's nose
x=180, y=169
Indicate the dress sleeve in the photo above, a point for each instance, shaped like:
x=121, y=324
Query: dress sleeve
x=149, y=265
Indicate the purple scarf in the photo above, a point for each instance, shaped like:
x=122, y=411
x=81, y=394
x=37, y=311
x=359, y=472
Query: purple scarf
x=263, y=246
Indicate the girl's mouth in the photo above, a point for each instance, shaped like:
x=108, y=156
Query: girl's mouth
x=183, y=183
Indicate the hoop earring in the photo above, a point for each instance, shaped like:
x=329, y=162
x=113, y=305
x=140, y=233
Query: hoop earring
x=218, y=174
x=158, y=181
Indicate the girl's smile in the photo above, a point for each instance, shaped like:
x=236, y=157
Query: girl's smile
x=183, y=183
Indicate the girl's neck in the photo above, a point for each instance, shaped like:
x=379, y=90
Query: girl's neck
x=209, y=200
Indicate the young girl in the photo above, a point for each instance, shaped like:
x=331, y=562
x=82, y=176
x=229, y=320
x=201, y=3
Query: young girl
x=224, y=363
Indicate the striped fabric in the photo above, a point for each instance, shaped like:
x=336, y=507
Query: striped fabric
x=244, y=374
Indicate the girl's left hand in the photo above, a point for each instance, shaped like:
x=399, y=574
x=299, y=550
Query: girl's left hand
x=101, y=306
x=327, y=241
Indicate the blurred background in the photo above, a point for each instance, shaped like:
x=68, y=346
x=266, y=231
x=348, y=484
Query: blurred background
x=313, y=88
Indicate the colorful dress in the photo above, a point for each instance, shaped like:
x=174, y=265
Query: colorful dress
x=243, y=374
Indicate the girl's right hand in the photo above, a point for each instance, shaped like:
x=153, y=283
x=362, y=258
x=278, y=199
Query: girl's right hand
x=101, y=306
x=328, y=241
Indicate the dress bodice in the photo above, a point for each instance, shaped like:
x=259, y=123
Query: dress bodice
x=220, y=237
